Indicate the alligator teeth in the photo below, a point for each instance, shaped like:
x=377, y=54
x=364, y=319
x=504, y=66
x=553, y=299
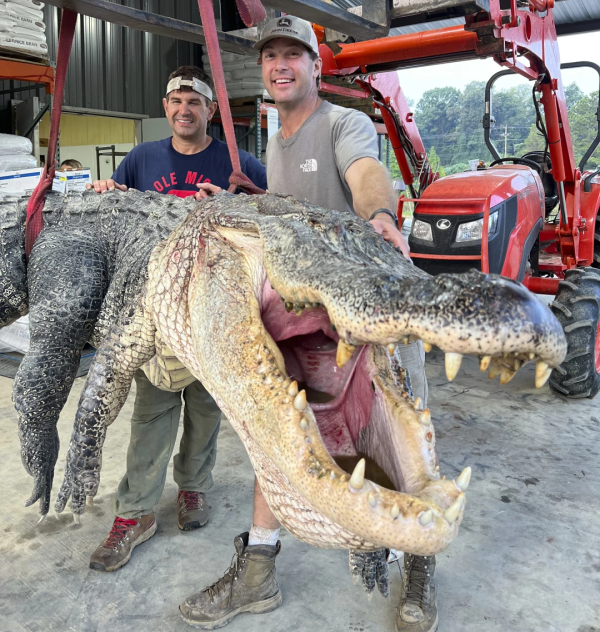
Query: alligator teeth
x=372, y=499
x=517, y=364
x=292, y=390
x=395, y=511
x=76, y=518
x=89, y=501
x=300, y=401
x=452, y=512
x=462, y=482
x=495, y=370
x=425, y=417
x=453, y=361
x=542, y=373
x=506, y=375
x=532, y=356
x=344, y=353
x=484, y=363
x=42, y=518
x=391, y=348
x=56, y=515
x=288, y=306
x=426, y=518
x=427, y=347
x=332, y=475
x=357, y=480
x=417, y=403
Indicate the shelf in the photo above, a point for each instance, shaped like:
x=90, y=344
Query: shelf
x=33, y=72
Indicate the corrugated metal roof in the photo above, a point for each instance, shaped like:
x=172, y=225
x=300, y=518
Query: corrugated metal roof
x=566, y=12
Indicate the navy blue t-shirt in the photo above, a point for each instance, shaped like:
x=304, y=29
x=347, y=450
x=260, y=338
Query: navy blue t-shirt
x=156, y=166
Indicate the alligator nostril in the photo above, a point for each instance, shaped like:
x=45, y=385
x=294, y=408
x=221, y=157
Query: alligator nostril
x=373, y=386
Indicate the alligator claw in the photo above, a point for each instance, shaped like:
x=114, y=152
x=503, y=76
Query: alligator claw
x=371, y=569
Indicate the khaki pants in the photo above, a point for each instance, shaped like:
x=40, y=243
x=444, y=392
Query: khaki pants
x=412, y=357
x=154, y=426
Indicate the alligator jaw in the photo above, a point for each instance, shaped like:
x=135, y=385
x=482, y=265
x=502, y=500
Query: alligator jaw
x=250, y=348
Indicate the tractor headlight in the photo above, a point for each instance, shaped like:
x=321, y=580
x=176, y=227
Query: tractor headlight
x=473, y=231
x=422, y=230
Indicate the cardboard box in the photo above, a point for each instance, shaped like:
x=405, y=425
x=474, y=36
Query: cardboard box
x=19, y=182
x=65, y=181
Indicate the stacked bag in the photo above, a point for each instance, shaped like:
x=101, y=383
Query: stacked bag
x=22, y=27
x=15, y=153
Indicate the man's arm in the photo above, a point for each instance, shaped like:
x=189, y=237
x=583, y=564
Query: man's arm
x=371, y=190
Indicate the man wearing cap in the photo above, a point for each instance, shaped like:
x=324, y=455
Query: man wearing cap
x=327, y=155
x=173, y=166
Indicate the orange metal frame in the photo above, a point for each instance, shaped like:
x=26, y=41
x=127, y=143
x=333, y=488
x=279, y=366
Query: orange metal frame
x=28, y=71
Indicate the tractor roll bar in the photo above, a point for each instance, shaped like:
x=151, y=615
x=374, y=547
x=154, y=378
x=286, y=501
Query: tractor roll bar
x=487, y=116
x=596, y=141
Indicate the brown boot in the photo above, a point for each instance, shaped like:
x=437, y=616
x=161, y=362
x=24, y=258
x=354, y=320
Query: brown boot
x=417, y=610
x=248, y=586
x=124, y=536
x=193, y=510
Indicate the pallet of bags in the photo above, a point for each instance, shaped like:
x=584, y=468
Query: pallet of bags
x=15, y=153
x=22, y=28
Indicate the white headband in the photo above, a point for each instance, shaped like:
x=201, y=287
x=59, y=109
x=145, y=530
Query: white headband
x=198, y=86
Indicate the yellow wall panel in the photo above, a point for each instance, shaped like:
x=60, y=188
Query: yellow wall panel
x=78, y=129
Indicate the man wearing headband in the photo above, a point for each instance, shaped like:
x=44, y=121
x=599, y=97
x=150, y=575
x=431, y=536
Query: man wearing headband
x=174, y=166
x=329, y=156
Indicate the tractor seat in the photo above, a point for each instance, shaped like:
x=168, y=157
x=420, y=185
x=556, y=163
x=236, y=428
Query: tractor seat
x=548, y=182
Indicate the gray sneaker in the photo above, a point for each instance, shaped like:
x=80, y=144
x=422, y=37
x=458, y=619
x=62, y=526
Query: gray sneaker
x=124, y=536
x=249, y=585
x=417, y=610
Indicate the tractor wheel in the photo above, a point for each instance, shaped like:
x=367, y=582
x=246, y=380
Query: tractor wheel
x=577, y=308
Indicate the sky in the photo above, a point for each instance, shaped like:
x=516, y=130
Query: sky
x=580, y=47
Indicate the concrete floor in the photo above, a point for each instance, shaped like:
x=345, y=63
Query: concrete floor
x=527, y=557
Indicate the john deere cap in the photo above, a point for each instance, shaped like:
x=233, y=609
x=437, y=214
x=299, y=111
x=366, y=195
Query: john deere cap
x=291, y=27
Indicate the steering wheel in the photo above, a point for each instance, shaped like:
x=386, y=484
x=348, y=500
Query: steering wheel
x=520, y=161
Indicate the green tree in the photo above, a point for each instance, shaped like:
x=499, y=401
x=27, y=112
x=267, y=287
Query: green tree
x=434, y=161
x=437, y=117
x=584, y=127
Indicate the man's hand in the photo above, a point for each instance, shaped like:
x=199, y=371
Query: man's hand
x=390, y=233
x=206, y=190
x=102, y=186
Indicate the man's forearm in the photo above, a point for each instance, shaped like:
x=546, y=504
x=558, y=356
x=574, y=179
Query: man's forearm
x=371, y=190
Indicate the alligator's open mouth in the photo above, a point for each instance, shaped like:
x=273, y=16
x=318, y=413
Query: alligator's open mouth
x=344, y=455
x=340, y=391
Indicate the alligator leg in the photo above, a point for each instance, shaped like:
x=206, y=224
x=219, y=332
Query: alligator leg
x=128, y=345
x=67, y=281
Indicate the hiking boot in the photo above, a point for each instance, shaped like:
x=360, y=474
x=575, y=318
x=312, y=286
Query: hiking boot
x=249, y=585
x=417, y=610
x=124, y=536
x=193, y=510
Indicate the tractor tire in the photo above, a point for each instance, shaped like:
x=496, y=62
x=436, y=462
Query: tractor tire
x=577, y=308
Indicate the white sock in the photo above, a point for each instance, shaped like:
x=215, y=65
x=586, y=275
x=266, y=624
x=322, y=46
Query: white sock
x=260, y=535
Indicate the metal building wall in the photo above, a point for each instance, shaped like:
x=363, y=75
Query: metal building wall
x=116, y=68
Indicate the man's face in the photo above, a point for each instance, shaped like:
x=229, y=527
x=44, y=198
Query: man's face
x=188, y=113
x=288, y=72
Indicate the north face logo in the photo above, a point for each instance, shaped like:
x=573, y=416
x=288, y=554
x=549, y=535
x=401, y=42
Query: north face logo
x=310, y=164
x=284, y=22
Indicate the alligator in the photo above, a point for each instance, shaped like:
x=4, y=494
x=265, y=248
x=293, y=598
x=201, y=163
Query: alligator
x=290, y=315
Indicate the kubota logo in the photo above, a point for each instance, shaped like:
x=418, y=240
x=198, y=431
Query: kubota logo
x=443, y=224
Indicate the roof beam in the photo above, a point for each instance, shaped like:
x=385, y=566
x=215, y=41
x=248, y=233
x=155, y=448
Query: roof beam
x=332, y=17
x=585, y=26
x=153, y=23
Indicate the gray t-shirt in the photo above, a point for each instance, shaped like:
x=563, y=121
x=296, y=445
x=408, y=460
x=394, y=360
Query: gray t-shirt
x=311, y=164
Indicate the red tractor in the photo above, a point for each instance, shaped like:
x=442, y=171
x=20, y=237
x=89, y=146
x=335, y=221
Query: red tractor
x=533, y=218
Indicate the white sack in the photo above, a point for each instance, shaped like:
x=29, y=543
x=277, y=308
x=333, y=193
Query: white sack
x=15, y=337
x=12, y=144
x=19, y=9
x=16, y=162
x=40, y=49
